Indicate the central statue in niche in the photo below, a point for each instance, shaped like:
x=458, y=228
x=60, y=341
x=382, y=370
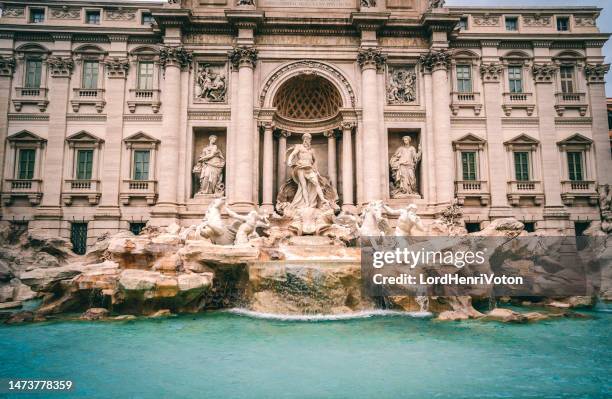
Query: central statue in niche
x=307, y=196
x=403, y=170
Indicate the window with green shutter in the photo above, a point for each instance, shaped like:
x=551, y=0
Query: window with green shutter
x=521, y=166
x=84, y=164
x=464, y=78
x=468, y=161
x=90, y=74
x=574, y=165
x=27, y=158
x=33, y=73
x=141, y=164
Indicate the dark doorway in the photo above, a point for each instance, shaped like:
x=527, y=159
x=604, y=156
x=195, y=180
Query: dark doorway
x=78, y=238
x=136, y=228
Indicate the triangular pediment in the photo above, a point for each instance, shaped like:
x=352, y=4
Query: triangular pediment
x=84, y=137
x=25, y=136
x=522, y=139
x=470, y=139
x=576, y=139
x=140, y=137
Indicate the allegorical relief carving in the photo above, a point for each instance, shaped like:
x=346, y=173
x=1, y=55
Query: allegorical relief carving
x=65, y=12
x=486, y=20
x=403, y=170
x=121, y=14
x=402, y=85
x=211, y=83
x=13, y=12
x=537, y=20
x=436, y=4
x=584, y=21
x=209, y=169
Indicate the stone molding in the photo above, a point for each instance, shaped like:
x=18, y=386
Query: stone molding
x=596, y=73
x=435, y=60
x=491, y=72
x=28, y=117
x=117, y=67
x=7, y=65
x=486, y=20
x=175, y=56
x=13, y=12
x=371, y=58
x=544, y=73
x=216, y=115
x=65, y=12
x=348, y=125
x=60, y=67
x=537, y=20
x=241, y=56
x=120, y=14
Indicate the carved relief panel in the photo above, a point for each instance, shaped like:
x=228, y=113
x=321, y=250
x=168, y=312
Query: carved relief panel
x=211, y=83
x=401, y=85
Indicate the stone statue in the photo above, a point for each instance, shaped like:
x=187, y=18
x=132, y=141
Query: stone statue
x=246, y=2
x=211, y=228
x=407, y=220
x=402, y=87
x=210, y=169
x=403, y=170
x=373, y=223
x=248, y=228
x=436, y=4
x=368, y=3
x=211, y=85
x=605, y=207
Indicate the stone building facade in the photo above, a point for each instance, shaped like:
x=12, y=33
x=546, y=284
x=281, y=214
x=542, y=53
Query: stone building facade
x=107, y=109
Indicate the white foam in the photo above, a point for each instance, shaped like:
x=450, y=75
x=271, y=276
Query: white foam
x=326, y=317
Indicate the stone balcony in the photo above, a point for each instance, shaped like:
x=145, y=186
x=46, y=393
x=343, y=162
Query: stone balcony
x=472, y=189
x=93, y=97
x=465, y=100
x=14, y=188
x=575, y=189
x=31, y=95
x=149, y=98
x=566, y=101
x=146, y=189
x=89, y=189
x=518, y=101
x=518, y=190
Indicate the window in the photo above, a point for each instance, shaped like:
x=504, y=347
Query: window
x=567, y=79
x=141, y=164
x=610, y=120
x=145, y=75
x=37, y=15
x=472, y=227
x=562, y=24
x=529, y=227
x=84, y=164
x=90, y=74
x=574, y=165
x=512, y=23
x=78, y=238
x=521, y=166
x=515, y=79
x=468, y=162
x=27, y=159
x=464, y=78
x=147, y=18
x=92, y=17
x=136, y=228
x=463, y=23
x=33, y=73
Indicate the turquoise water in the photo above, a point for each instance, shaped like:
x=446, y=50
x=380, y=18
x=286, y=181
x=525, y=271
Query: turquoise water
x=222, y=355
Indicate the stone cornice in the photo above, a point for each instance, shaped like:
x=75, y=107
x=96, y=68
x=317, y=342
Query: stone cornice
x=365, y=21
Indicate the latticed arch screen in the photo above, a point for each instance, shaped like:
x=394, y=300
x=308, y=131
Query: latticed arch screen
x=306, y=97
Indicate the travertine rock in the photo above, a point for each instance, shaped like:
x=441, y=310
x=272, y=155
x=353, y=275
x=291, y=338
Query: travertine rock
x=452, y=315
x=95, y=314
x=505, y=315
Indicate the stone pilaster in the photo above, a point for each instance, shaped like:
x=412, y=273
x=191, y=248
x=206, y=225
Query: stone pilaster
x=595, y=74
x=347, y=166
x=331, y=158
x=370, y=60
x=491, y=75
x=7, y=68
x=244, y=59
x=268, y=165
x=173, y=60
x=437, y=61
x=282, y=158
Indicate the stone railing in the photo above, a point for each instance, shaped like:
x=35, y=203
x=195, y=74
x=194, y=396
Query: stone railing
x=29, y=188
x=573, y=189
x=478, y=189
x=89, y=189
x=465, y=100
x=518, y=101
x=145, y=97
x=93, y=97
x=31, y=95
x=146, y=189
x=570, y=101
x=529, y=189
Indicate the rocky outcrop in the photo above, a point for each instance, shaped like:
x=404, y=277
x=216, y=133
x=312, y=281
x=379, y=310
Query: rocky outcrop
x=94, y=314
x=504, y=315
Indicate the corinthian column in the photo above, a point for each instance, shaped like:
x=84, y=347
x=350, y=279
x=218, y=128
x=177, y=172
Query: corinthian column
x=268, y=165
x=437, y=62
x=244, y=59
x=282, y=157
x=7, y=68
x=331, y=158
x=347, y=166
x=595, y=74
x=369, y=60
x=173, y=60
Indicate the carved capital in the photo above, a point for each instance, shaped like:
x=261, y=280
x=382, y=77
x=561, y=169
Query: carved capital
x=544, y=73
x=7, y=66
x=175, y=56
x=243, y=56
x=330, y=134
x=267, y=125
x=282, y=133
x=596, y=73
x=117, y=67
x=60, y=67
x=347, y=125
x=491, y=72
x=371, y=58
x=435, y=60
